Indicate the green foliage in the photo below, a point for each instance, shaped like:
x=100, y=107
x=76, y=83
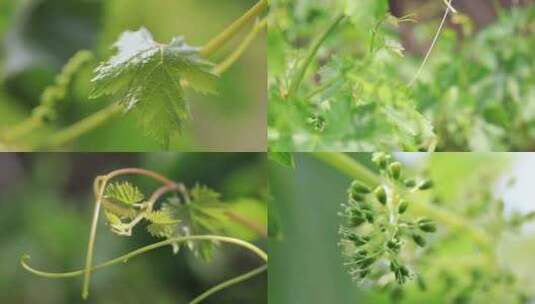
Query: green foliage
x=481, y=99
x=149, y=77
x=377, y=227
x=124, y=192
x=204, y=214
x=348, y=102
x=474, y=94
x=199, y=212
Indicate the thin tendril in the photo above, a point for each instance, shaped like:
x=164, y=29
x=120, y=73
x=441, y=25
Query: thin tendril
x=244, y=277
x=124, y=258
x=449, y=8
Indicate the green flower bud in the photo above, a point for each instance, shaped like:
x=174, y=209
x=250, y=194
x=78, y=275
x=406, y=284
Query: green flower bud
x=419, y=240
x=427, y=225
x=409, y=183
x=356, y=221
x=393, y=245
x=317, y=122
x=381, y=159
x=404, y=271
x=380, y=195
x=403, y=205
x=358, y=240
x=361, y=253
x=426, y=184
x=370, y=218
x=360, y=188
x=357, y=197
x=367, y=262
x=395, y=170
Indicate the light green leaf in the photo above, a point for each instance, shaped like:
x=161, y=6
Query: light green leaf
x=204, y=214
x=162, y=223
x=148, y=77
x=124, y=192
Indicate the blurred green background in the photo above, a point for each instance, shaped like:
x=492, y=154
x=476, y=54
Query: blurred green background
x=47, y=204
x=37, y=37
x=306, y=265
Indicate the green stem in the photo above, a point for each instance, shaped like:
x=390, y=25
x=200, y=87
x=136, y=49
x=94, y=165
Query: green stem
x=83, y=126
x=126, y=257
x=301, y=71
x=350, y=167
x=244, y=45
x=100, y=186
x=217, y=42
x=24, y=127
x=244, y=277
x=347, y=165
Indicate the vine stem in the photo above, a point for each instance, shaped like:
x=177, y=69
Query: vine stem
x=350, y=167
x=26, y=126
x=99, y=187
x=449, y=8
x=217, y=42
x=236, y=280
x=238, y=52
x=124, y=258
x=314, y=48
x=95, y=120
x=83, y=126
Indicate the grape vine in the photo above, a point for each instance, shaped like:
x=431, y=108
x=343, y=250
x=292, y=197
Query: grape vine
x=144, y=76
x=192, y=218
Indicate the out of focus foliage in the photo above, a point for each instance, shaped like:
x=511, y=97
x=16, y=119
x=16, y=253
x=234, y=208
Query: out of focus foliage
x=37, y=38
x=48, y=216
x=475, y=93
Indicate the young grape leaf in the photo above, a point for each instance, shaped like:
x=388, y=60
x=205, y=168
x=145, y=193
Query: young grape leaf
x=204, y=214
x=125, y=193
x=149, y=77
x=162, y=223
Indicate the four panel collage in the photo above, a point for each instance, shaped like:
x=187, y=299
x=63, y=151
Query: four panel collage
x=267, y=151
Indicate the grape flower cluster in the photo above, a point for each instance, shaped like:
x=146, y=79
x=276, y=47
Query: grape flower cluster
x=377, y=225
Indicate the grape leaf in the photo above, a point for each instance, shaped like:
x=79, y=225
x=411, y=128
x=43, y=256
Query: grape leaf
x=124, y=193
x=162, y=223
x=204, y=214
x=149, y=77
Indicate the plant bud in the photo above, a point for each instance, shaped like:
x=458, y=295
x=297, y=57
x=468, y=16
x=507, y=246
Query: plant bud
x=409, y=183
x=395, y=170
x=380, y=194
x=381, y=159
x=403, y=205
x=360, y=188
x=357, y=197
x=419, y=240
x=427, y=225
x=426, y=184
x=370, y=218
